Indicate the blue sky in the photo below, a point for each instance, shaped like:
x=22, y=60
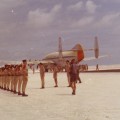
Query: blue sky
x=31, y=28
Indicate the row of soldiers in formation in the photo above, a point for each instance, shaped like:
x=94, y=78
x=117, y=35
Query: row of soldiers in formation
x=14, y=78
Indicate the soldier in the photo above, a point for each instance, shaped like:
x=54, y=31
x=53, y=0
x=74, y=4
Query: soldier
x=12, y=77
x=78, y=73
x=20, y=79
x=97, y=67
x=67, y=68
x=25, y=77
x=55, y=71
x=0, y=78
x=9, y=77
x=42, y=75
x=73, y=76
x=16, y=77
x=5, y=77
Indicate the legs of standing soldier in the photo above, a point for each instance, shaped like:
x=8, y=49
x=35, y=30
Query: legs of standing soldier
x=15, y=84
x=56, y=82
x=68, y=77
x=7, y=84
x=0, y=81
x=12, y=83
x=19, y=85
x=24, y=84
x=73, y=85
x=42, y=81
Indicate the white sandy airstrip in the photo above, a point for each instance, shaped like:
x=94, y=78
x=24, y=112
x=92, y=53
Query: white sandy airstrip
x=97, y=98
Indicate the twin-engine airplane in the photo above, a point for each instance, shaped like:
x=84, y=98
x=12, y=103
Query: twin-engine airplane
x=77, y=53
x=60, y=57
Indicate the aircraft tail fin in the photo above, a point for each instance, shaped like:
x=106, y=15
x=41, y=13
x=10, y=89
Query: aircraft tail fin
x=60, y=48
x=77, y=47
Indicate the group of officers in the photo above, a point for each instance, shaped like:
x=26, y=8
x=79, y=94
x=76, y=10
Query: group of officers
x=14, y=78
x=72, y=70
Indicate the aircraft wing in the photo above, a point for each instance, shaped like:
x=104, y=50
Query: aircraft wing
x=40, y=61
x=3, y=62
x=93, y=58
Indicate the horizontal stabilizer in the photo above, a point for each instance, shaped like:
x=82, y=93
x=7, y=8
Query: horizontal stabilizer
x=93, y=58
x=40, y=61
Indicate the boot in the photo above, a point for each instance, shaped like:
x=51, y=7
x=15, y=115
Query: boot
x=15, y=92
x=24, y=95
x=42, y=87
x=19, y=93
x=73, y=93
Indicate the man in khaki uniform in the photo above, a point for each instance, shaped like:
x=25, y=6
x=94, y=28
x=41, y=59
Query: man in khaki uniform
x=20, y=79
x=16, y=78
x=42, y=75
x=12, y=77
x=55, y=71
x=9, y=77
x=25, y=77
x=5, y=77
x=67, y=68
x=0, y=77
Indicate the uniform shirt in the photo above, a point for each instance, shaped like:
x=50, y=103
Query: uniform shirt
x=25, y=70
x=42, y=69
x=67, y=67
